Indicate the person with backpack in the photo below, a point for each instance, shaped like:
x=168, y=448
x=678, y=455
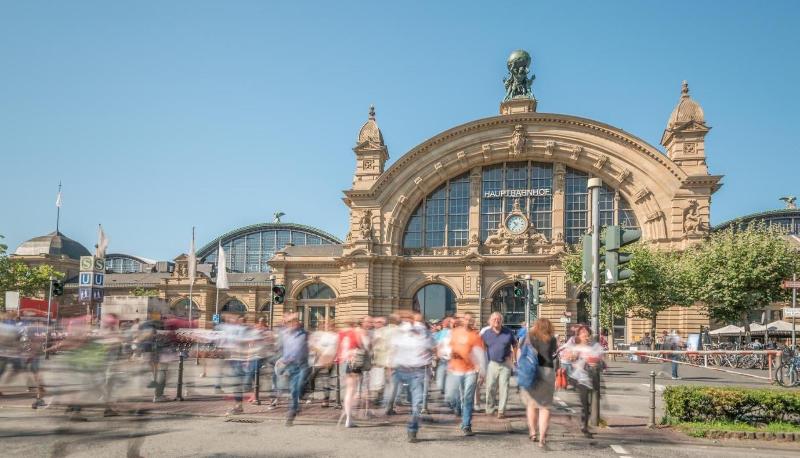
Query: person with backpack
x=355, y=354
x=537, y=394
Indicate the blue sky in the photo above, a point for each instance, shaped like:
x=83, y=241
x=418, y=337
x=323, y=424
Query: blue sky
x=158, y=116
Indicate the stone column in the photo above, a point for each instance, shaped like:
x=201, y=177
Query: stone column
x=559, y=176
x=475, y=184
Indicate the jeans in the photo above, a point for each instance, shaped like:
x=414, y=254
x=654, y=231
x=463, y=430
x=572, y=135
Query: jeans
x=415, y=378
x=441, y=375
x=498, y=373
x=319, y=378
x=460, y=394
x=297, y=375
x=674, y=366
x=243, y=373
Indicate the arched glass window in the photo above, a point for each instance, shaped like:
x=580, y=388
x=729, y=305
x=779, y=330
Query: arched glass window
x=316, y=291
x=234, y=306
x=614, y=209
x=434, y=301
x=505, y=183
x=181, y=309
x=123, y=265
x=266, y=307
x=511, y=307
x=441, y=219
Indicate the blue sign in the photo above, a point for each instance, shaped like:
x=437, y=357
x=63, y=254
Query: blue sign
x=85, y=279
x=215, y=318
x=97, y=295
x=84, y=294
x=98, y=279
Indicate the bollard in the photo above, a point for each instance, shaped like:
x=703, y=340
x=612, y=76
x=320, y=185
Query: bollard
x=594, y=420
x=338, y=386
x=652, y=422
x=257, y=388
x=180, y=376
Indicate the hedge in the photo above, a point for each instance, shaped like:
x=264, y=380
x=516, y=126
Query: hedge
x=703, y=403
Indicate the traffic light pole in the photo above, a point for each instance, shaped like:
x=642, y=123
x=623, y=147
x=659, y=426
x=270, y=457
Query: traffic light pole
x=47, y=330
x=594, y=188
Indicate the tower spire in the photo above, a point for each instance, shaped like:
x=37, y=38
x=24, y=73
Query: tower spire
x=58, y=206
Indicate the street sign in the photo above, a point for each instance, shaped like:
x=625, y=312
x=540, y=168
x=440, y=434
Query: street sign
x=87, y=263
x=98, y=279
x=85, y=279
x=566, y=319
x=12, y=300
x=97, y=294
x=789, y=284
x=84, y=294
x=789, y=312
x=215, y=318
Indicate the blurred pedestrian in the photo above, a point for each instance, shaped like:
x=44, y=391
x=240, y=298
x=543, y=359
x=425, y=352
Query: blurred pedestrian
x=294, y=362
x=322, y=345
x=500, y=344
x=583, y=358
x=539, y=398
x=466, y=369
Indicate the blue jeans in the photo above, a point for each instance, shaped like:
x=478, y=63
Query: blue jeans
x=674, y=365
x=441, y=375
x=297, y=375
x=460, y=395
x=243, y=373
x=415, y=378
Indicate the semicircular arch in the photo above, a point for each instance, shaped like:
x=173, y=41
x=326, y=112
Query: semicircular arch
x=298, y=288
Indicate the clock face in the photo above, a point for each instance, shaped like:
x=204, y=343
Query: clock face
x=516, y=224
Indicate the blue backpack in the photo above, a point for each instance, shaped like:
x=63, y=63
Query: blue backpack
x=527, y=366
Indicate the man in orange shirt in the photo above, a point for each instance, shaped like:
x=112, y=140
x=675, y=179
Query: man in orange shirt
x=466, y=368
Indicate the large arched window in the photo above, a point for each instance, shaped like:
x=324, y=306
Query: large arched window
x=434, y=301
x=234, y=306
x=511, y=307
x=316, y=305
x=530, y=183
x=181, y=309
x=441, y=219
x=614, y=209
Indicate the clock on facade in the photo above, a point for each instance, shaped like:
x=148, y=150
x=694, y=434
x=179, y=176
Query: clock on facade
x=516, y=224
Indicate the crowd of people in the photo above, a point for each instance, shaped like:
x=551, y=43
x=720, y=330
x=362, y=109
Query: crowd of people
x=374, y=363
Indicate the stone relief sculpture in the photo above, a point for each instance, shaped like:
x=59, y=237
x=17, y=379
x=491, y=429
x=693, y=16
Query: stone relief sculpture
x=365, y=225
x=517, y=83
x=503, y=242
x=518, y=140
x=693, y=223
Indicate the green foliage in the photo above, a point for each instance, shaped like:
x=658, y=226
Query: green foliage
x=142, y=292
x=17, y=276
x=740, y=269
x=700, y=429
x=707, y=404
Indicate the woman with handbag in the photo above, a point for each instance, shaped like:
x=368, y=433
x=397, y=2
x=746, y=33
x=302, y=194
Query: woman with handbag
x=539, y=397
x=355, y=350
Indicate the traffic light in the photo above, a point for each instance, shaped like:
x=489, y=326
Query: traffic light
x=58, y=288
x=587, y=258
x=538, y=291
x=278, y=294
x=616, y=238
x=519, y=289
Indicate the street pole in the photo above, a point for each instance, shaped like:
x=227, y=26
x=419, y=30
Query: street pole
x=47, y=331
x=528, y=294
x=594, y=189
x=794, y=315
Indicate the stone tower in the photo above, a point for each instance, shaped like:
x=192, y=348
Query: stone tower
x=371, y=153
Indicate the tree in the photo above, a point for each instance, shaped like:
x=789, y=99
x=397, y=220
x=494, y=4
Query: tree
x=659, y=281
x=740, y=269
x=17, y=276
x=142, y=292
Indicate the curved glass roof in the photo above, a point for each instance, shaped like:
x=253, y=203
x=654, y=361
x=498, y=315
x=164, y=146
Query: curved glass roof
x=249, y=248
x=788, y=218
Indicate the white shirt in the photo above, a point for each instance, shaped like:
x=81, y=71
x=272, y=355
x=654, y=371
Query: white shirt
x=411, y=346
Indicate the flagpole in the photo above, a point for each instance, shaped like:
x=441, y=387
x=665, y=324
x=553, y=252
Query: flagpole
x=191, y=281
x=58, y=207
x=216, y=283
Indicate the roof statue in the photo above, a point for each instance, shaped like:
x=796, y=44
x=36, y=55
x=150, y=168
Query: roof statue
x=276, y=217
x=517, y=83
x=790, y=201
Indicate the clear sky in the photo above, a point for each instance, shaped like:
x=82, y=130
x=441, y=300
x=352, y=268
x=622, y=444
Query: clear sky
x=158, y=116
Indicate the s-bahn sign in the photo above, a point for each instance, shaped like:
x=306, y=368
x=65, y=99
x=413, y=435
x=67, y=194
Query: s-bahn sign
x=537, y=192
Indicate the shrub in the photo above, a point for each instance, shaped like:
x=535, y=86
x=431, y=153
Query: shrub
x=705, y=404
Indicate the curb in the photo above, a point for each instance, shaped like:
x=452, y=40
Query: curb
x=753, y=435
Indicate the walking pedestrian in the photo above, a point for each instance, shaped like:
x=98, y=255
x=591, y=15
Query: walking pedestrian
x=500, y=344
x=539, y=398
x=355, y=354
x=322, y=344
x=442, y=339
x=411, y=352
x=466, y=369
x=583, y=358
x=294, y=362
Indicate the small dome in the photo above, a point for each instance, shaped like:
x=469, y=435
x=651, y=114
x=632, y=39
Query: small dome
x=369, y=131
x=54, y=244
x=687, y=110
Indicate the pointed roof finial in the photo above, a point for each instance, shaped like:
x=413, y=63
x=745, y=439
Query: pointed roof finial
x=684, y=89
x=372, y=112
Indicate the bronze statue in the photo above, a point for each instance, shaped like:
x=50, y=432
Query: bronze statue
x=517, y=83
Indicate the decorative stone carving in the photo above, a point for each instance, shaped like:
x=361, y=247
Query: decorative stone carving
x=623, y=175
x=641, y=194
x=368, y=164
x=576, y=152
x=689, y=148
x=549, y=147
x=601, y=161
x=693, y=223
x=656, y=215
x=461, y=155
x=365, y=225
x=487, y=151
x=518, y=141
x=529, y=242
x=418, y=181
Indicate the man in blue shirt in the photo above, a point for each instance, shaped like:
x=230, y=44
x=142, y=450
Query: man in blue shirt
x=500, y=344
x=294, y=361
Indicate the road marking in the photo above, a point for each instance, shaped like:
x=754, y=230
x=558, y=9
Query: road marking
x=619, y=449
x=658, y=387
x=563, y=405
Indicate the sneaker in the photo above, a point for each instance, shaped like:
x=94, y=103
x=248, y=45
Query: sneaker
x=501, y=415
x=412, y=437
x=160, y=399
x=235, y=411
x=350, y=424
x=289, y=422
x=467, y=431
x=676, y=378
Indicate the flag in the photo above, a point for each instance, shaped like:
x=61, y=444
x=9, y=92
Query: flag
x=58, y=199
x=222, y=269
x=192, y=261
x=102, y=243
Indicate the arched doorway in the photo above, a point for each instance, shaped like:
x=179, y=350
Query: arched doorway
x=181, y=309
x=317, y=304
x=234, y=306
x=434, y=302
x=511, y=307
